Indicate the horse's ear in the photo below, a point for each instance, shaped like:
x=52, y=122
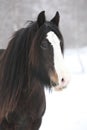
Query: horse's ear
x=56, y=19
x=41, y=18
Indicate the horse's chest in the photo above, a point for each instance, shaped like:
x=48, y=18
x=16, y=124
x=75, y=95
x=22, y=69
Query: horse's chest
x=34, y=105
x=28, y=110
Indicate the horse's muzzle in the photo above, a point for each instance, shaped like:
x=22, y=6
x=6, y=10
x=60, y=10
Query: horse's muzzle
x=57, y=82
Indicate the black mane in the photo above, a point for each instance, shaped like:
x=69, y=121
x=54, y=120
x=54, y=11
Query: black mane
x=14, y=67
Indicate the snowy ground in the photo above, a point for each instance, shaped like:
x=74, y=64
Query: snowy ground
x=67, y=109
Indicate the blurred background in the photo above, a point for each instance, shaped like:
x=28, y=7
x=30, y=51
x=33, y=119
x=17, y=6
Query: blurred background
x=73, y=16
x=66, y=110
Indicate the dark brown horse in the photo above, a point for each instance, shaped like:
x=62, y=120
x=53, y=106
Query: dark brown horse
x=33, y=60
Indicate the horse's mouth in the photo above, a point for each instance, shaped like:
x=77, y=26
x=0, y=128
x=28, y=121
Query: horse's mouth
x=59, y=88
x=56, y=86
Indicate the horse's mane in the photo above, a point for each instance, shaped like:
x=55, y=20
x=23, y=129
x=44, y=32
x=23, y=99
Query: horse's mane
x=14, y=68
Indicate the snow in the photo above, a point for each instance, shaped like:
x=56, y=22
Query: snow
x=67, y=109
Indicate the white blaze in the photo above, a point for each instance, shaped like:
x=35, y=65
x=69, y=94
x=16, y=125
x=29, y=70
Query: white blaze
x=58, y=59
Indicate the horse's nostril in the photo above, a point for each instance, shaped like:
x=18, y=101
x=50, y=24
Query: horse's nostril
x=62, y=80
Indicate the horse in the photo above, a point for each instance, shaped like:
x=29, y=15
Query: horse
x=32, y=61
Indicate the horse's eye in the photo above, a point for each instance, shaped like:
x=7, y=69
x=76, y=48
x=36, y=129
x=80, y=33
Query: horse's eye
x=44, y=45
